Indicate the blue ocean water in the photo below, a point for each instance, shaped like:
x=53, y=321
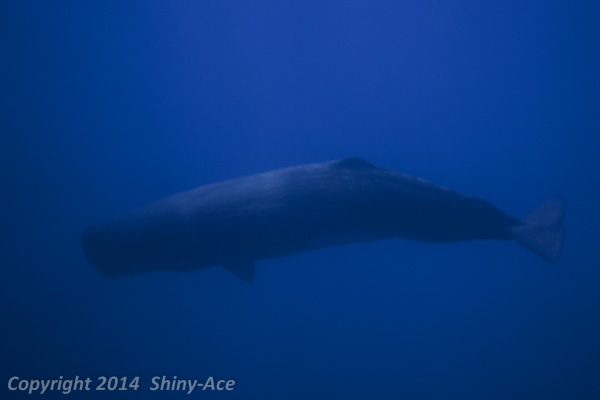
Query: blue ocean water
x=106, y=106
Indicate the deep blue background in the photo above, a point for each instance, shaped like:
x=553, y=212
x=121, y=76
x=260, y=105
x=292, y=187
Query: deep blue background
x=109, y=105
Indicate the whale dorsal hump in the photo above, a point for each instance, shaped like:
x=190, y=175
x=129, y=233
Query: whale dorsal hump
x=352, y=163
x=243, y=269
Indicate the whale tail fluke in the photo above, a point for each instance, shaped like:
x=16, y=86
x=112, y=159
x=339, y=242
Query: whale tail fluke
x=542, y=231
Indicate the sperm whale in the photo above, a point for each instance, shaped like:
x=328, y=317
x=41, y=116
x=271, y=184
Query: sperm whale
x=278, y=213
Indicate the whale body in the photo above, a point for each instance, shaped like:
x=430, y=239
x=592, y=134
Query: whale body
x=236, y=222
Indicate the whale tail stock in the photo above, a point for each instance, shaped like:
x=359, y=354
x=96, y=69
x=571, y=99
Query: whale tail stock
x=542, y=231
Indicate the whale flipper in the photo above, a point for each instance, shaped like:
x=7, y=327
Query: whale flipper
x=542, y=231
x=245, y=270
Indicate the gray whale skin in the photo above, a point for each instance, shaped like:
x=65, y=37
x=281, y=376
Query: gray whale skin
x=278, y=213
